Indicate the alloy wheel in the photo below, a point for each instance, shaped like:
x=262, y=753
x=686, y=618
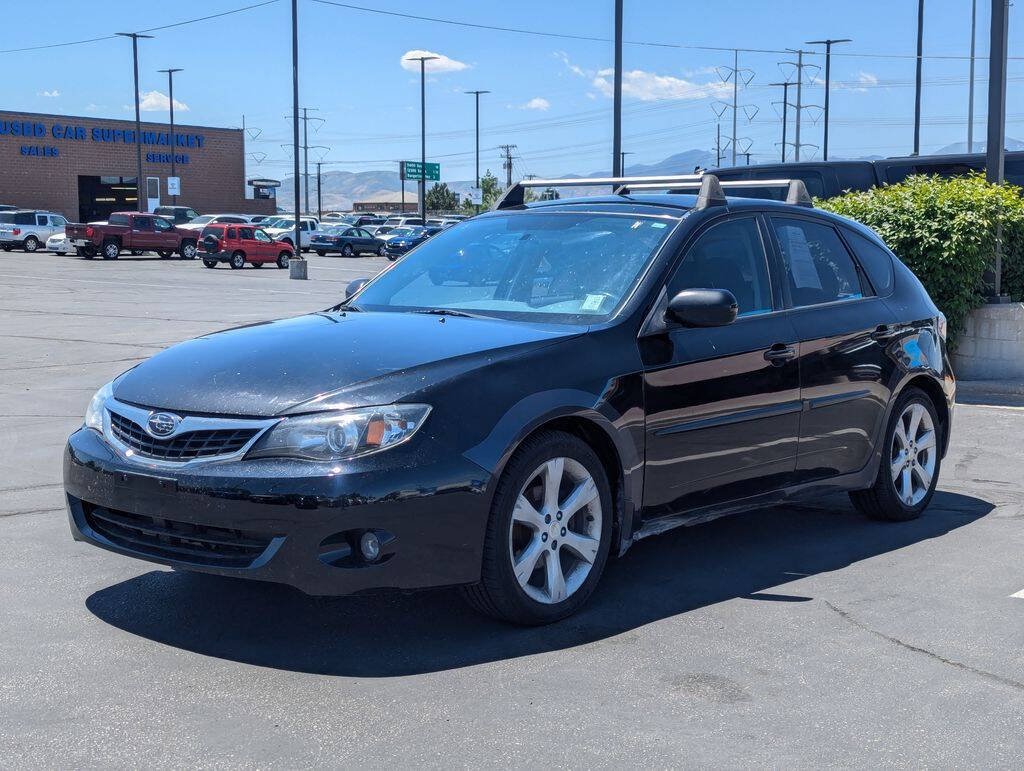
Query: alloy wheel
x=555, y=531
x=913, y=454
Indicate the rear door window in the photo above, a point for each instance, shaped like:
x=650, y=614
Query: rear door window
x=875, y=261
x=232, y=233
x=818, y=267
x=245, y=234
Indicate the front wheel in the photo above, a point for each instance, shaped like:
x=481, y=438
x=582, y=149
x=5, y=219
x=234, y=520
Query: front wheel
x=381, y=250
x=909, y=470
x=111, y=250
x=283, y=259
x=346, y=250
x=549, y=532
x=321, y=253
x=31, y=244
x=188, y=250
x=237, y=261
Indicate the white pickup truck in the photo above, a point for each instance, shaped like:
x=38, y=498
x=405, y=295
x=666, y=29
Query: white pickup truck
x=306, y=227
x=28, y=229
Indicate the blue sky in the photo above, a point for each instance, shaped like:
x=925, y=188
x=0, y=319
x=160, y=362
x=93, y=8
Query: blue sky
x=550, y=96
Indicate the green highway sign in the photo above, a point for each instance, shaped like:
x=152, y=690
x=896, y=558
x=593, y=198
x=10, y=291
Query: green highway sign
x=413, y=170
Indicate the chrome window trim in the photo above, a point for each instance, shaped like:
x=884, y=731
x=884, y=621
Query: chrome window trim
x=186, y=424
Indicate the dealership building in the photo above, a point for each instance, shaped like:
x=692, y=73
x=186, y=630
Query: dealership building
x=85, y=168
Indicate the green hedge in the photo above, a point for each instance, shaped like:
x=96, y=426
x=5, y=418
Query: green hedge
x=944, y=230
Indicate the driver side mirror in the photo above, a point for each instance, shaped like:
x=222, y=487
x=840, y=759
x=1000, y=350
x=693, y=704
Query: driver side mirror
x=703, y=308
x=354, y=287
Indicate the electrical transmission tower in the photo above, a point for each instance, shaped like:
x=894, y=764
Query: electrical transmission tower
x=798, y=79
x=507, y=163
x=785, y=112
x=735, y=75
x=305, y=118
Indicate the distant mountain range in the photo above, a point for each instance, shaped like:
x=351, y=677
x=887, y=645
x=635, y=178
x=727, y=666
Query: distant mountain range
x=340, y=189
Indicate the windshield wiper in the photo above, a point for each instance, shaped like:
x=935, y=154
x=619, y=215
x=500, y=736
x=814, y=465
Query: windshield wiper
x=447, y=312
x=343, y=307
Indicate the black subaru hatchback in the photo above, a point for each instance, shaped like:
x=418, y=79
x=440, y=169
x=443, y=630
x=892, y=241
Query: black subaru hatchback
x=527, y=393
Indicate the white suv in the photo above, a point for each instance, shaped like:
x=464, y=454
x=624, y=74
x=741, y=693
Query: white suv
x=28, y=229
x=306, y=227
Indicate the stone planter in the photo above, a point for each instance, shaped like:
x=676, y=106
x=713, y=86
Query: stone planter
x=992, y=344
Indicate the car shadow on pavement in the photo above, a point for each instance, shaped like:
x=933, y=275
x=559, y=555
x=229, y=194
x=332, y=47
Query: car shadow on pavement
x=395, y=634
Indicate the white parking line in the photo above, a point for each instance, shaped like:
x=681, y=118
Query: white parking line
x=1019, y=595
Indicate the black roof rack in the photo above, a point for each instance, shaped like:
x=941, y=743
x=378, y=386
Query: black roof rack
x=515, y=195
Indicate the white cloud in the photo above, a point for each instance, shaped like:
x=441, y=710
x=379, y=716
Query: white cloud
x=650, y=86
x=563, y=57
x=591, y=95
x=441, y=64
x=155, y=101
x=708, y=70
x=867, y=79
x=537, y=103
x=51, y=94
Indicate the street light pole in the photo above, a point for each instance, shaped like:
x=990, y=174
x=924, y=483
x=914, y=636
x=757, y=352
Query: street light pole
x=996, y=141
x=917, y=84
x=477, y=95
x=295, y=121
x=138, y=120
x=828, y=79
x=423, y=131
x=170, y=99
x=617, y=94
x=970, y=90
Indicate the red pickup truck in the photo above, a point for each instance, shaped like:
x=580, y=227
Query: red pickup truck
x=132, y=231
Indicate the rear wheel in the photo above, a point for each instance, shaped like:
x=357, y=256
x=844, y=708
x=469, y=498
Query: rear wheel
x=549, y=532
x=237, y=260
x=909, y=470
x=321, y=253
x=210, y=263
x=346, y=250
x=31, y=244
x=6, y=248
x=381, y=251
x=283, y=259
x=111, y=250
x=86, y=252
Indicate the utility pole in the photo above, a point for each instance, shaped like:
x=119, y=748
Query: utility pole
x=996, y=141
x=785, y=112
x=319, y=199
x=747, y=154
x=622, y=161
x=139, y=199
x=617, y=96
x=917, y=85
x=799, y=106
x=828, y=80
x=401, y=178
x=295, y=120
x=970, y=91
x=718, y=145
x=423, y=132
x=507, y=165
x=305, y=154
x=476, y=94
x=170, y=99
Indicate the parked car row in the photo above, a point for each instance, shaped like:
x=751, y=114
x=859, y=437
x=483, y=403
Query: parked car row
x=28, y=229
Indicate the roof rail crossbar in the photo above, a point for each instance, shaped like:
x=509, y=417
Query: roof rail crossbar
x=796, y=190
x=515, y=195
x=709, y=189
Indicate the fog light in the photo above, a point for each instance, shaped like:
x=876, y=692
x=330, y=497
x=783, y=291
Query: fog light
x=369, y=545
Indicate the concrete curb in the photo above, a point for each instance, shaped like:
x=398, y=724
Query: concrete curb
x=990, y=387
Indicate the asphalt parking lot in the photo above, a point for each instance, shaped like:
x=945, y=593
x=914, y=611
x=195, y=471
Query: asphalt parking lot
x=802, y=636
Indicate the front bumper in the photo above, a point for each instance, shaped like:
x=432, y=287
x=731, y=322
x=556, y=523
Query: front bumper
x=287, y=521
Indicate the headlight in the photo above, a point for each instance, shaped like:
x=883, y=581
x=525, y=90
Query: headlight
x=341, y=435
x=94, y=412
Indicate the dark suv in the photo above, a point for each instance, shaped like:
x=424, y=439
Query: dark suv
x=615, y=366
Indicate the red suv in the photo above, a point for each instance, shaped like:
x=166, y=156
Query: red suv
x=239, y=244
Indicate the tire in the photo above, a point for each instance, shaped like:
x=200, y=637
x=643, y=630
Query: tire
x=346, y=250
x=237, y=261
x=30, y=244
x=321, y=253
x=391, y=257
x=908, y=494
x=85, y=252
x=257, y=264
x=381, y=251
x=165, y=254
x=111, y=250
x=283, y=260
x=210, y=263
x=6, y=248
x=527, y=520
x=188, y=250
x=136, y=253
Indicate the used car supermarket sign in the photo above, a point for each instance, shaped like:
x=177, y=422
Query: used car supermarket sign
x=63, y=131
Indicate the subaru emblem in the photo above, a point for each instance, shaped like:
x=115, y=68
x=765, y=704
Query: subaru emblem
x=162, y=424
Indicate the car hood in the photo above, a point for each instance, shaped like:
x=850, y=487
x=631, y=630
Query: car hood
x=275, y=367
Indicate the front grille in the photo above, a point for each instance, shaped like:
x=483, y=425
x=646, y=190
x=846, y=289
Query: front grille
x=181, y=541
x=186, y=446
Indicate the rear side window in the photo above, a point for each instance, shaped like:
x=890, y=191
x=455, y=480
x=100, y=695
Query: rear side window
x=245, y=233
x=818, y=267
x=728, y=256
x=875, y=261
x=119, y=219
x=24, y=218
x=232, y=233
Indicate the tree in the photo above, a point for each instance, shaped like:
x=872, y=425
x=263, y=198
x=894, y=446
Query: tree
x=441, y=198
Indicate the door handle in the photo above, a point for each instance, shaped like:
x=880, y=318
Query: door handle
x=779, y=354
x=885, y=332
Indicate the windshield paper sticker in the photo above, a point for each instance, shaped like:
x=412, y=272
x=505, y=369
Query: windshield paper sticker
x=592, y=302
x=801, y=263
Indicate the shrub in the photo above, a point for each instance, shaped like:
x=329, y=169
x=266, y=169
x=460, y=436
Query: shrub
x=944, y=230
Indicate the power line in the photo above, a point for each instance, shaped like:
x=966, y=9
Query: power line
x=151, y=29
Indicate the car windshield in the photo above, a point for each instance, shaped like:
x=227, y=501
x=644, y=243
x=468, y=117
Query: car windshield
x=203, y=219
x=402, y=231
x=565, y=267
